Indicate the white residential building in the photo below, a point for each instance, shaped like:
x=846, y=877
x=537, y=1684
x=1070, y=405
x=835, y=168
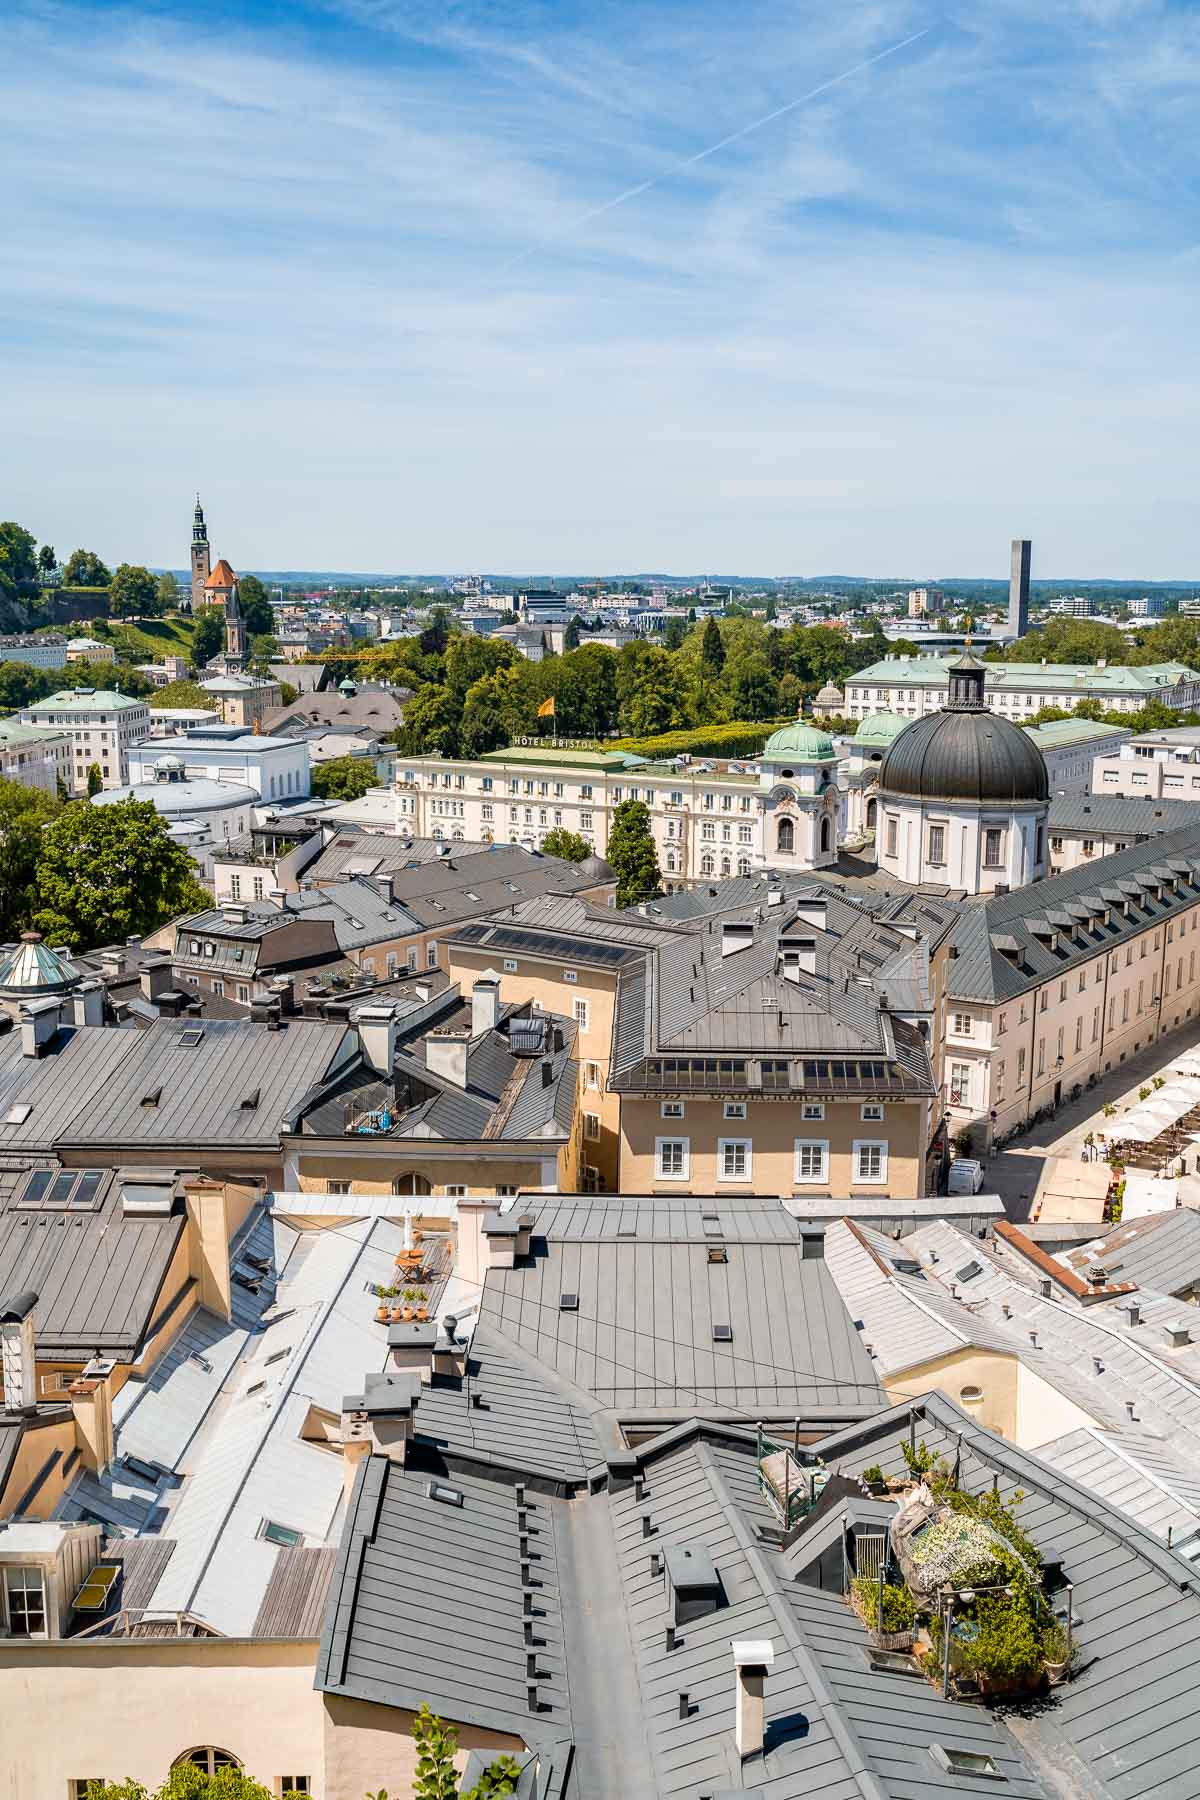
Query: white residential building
x=915, y=685
x=35, y=757
x=103, y=727
x=1159, y=765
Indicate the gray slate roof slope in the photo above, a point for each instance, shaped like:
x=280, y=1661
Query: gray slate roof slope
x=375, y=853
x=672, y=1218
x=525, y=1417
x=980, y=972
x=98, y=1275
x=642, y=1334
x=203, y=1085
x=1106, y=813
x=1129, y=1711
x=59, y=1086
x=1161, y=1251
x=456, y=1639
x=1135, y=1471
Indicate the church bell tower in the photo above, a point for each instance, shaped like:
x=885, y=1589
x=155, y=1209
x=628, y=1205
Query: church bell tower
x=201, y=558
x=235, y=632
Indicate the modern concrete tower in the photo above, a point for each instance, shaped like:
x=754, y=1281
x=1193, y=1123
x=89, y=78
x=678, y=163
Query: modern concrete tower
x=201, y=558
x=1018, y=587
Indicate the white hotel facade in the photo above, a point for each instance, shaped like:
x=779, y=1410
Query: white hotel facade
x=709, y=819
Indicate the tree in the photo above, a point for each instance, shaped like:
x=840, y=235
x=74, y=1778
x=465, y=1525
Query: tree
x=208, y=635
x=263, y=652
x=47, y=561
x=674, y=635
x=106, y=873
x=18, y=562
x=435, y=1777
x=632, y=854
x=21, y=684
x=344, y=778
x=469, y=658
x=95, y=780
x=168, y=591
x=430, y=723
x=434, y=639
x=186, y=1782
x=184, y=693
x=755, y=695
x=84, y=569
x=571, y=634
x=712, y=648
x=567, y=844
x=24, y=814
x=133, y=591
x=288, y=694
x=255, y=605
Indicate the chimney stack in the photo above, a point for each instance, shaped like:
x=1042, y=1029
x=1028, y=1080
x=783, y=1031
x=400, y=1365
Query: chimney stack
x=91, y=1402
x=736, y=934
x=376, y=1026
x=18, y=1351
x=752, y=1657
x=446, y=1055
x=39, y=1022
x=485, y=1005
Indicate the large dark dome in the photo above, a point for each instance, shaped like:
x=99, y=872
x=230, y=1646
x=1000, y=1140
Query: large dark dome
x=965, y=752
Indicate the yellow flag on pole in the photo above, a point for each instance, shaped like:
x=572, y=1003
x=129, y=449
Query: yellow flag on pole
x=546, y=709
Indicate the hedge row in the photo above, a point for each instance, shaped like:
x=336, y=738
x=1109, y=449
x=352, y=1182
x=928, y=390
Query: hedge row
x=734, y=739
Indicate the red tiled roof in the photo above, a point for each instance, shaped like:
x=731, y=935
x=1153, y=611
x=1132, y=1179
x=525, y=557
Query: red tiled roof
x=221, y=577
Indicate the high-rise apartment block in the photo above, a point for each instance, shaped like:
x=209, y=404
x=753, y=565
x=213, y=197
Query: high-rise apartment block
x=1018, y=588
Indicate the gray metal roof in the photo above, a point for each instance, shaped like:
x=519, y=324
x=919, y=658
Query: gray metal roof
x=642, y=1331
x=79, y=1064
x=98, y=1274
x=1128, y=1713
x=205, y=1076
x=1108, y=814
x=978, y=971
x=1136, y=1472
x=1161, y=1251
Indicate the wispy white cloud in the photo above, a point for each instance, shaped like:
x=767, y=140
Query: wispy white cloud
x=939, y=305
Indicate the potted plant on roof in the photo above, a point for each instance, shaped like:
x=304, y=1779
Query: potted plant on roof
x=408, y=1304
x=873, y=1480
x=421, y=1299
x=1059, y=1654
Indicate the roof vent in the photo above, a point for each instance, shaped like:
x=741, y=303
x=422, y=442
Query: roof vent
x=1178, y=1334
x=568, y=1303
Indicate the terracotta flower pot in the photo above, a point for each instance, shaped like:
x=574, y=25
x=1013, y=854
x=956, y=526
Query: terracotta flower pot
x=408, y=1313
x=397, y=1315
x=422, y=1313
x=382, y=1314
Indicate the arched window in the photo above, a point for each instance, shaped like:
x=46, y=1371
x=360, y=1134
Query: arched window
x=726, y=865
x=670, y=862
x=706, y=865
x=458, y=836
x=207, y=1757
x=743, y=865
x=411, y=1184
x=826, y=834
x=872, y=809
x=785, y=837
x=437, y=832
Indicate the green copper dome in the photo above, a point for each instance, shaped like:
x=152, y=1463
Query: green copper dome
x=881, y=728
x=799, y=742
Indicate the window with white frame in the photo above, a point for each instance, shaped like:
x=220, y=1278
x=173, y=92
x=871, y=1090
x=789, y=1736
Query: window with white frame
x=591, y=1126
x=672, y=1158
x=812, y=1159
x=962, y=1024
x=25, y=1601
x=455, y=1191
x=570, y=975
x=960, y=1083
x=735, y=1158
x=580, y=1013
x=671, y=1109
x=812, y=1109
x=735, y=1109
x=870, y=1159
x=591, y=1074
x=431, y=956
x=871, y=1112
x=294, y=1784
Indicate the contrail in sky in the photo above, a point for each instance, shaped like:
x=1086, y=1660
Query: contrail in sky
x=689, y=162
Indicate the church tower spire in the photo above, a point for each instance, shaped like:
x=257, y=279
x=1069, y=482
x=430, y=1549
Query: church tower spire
x=235, y=631
x=201, y=557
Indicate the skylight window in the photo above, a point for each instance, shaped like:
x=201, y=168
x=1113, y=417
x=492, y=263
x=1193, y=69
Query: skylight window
x=443, y=1493
x=722, y=1334
x=568, y=1303
x=966, y=1762
x=189, y=1040
x=17, y=1115
x=283, y=1535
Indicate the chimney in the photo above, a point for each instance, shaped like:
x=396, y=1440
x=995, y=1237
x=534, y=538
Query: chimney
x=446, y=1055
x=797, y=956
x=91, y=1402
x=485, y=1005
x=18, y=1351
x=284, y=990
x=736, y=934
x=233, y=912
x=774, y=896
x=752, y=1657
x=39, y=1022
x=112, y=963
x=379, y=1421
x=376, y=1026
x=811, y=910
x=692, y=1582
x=155, y=979
x=208, y=1216
x=87, y=1000
x=411, y=1345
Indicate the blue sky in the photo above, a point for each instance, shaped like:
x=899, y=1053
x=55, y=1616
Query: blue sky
x=351, y=269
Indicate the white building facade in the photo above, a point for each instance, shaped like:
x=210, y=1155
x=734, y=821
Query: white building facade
x=275, y=768
x=916, y=685
x=35, y=757
x=103, y=727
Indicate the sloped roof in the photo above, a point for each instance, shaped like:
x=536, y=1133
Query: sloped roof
x=32, y=967
x=222, y=576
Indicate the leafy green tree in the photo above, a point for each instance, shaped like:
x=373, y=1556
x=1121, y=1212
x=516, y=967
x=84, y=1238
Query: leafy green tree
x=469, y=658
x=47, y=561
x=632, y=854
x=571, y=634
x=288, y=693
x=430, y=724
x=183, y=693
x=18, y=559
x=652, y=690
x=712, y=648
x=168, y=591
x=21, y=684
x=208, y=635
x=674, y=634
x=344, y=778
x=436, y=636
x=133, y=591
x=255, y=605
x=263, y=652
x=755, y=695
x=435, y=1777
x=107, y=872
x=84, y=569
x=485, y=723
x=567, y=844
x=24, y=814
x=95, y=780
x=185, y=1783
x=584, y=683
